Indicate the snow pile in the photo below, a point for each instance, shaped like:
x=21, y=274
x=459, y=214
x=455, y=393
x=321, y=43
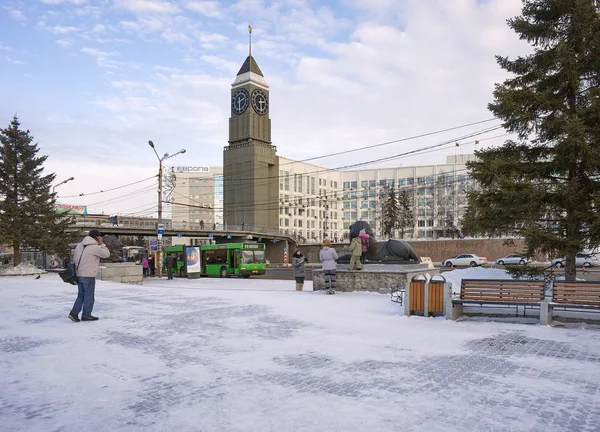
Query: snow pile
x=23, y=269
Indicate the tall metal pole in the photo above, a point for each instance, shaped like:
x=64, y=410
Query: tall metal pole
x=160, y=186
x=159, y=242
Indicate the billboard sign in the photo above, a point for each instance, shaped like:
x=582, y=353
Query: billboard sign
x=192, y=259
x=70, y=209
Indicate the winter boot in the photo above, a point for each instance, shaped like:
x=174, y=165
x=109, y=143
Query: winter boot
x=300, y=287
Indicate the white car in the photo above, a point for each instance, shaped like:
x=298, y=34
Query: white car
x=581, y=260
x=513, y=259
x=465, y=260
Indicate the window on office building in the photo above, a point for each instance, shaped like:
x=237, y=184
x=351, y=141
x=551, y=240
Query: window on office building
x=364, y=183
x=280, y=180
x=300, y=183
x=346, y=185
x=353, y=204
x=430, y=223
x=364, y=214
x=364, y=204
x=286, y=180
x=410, y=181
x=372, y=183
x=312, y=185
x=421, y=223
x=295, y=182
x=372, y=204
x=353, y=185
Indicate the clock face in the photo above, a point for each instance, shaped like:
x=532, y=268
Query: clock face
x=240, y=101
x=260, y=102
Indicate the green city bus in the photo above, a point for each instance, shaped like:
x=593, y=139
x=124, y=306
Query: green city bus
x=223, y=260
x=179, y=267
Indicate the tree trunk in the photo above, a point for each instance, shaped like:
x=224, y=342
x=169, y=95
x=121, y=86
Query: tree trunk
x=570, y=267
x=16, y=253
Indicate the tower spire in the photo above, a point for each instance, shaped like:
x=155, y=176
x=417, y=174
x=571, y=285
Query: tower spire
x=250, y=41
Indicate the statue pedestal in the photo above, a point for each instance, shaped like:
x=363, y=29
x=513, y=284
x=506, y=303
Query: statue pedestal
x=373, y=277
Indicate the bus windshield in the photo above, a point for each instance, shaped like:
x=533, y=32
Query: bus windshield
x=247, y=257
x=250, y=257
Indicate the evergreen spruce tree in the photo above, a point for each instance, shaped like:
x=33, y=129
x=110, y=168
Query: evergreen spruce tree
x=406, y=217
x=545, y=185
x=27, y=203
x=390, y=212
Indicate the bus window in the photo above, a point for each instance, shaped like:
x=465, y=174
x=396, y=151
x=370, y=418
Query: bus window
x=247, y=257
x=221, y=256
x=259, y=256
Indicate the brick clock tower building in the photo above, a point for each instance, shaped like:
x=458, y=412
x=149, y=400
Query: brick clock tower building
x=250, y=162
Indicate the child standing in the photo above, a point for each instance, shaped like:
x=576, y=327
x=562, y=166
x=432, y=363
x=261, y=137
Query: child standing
x=328, y=257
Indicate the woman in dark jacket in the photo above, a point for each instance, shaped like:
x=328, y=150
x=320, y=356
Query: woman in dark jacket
x=298, y=261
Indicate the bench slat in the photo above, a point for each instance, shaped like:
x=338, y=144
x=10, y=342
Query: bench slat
x=486, y=291
x=527, y=299
x=520, y=285
x=582, y=289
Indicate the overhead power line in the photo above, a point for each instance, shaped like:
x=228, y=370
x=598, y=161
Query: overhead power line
x=109, y=190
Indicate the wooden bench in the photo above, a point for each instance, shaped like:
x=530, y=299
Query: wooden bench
x=492, y=292
x=576, y=295
x=495, y=291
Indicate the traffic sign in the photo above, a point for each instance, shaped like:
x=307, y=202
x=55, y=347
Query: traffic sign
x=285, y=249
x=210, y=236
x=159, y=236
x=179, y=235
x=228, y=236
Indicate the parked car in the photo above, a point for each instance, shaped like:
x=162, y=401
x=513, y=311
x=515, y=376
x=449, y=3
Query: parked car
x=513, y=259
x=581, y=260
x=465, y=260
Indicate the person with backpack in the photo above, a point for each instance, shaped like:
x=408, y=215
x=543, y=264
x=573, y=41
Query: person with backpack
x=87, y=260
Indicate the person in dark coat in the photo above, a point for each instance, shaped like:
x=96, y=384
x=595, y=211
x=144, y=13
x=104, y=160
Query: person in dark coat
x=170, y=263
x=298, y=262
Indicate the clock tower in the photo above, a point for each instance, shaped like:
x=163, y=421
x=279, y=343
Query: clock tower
x=250, y=162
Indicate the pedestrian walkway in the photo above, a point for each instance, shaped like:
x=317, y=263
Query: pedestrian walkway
x=255, y=355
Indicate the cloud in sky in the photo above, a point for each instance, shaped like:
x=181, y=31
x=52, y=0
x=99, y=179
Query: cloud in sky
x=147, y=6
x=342, y=74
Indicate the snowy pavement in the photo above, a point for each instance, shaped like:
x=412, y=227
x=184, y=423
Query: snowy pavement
x=254, y=355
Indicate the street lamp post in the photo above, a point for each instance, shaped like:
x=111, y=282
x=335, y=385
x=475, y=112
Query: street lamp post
x=160, y=181
x=62, y=183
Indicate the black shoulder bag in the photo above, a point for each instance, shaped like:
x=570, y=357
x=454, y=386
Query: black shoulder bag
x=69, y=274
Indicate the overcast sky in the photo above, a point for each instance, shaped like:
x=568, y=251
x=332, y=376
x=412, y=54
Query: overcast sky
x=94, y=80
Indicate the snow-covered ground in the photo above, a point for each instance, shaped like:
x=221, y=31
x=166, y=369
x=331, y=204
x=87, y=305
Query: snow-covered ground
x=255, y=355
